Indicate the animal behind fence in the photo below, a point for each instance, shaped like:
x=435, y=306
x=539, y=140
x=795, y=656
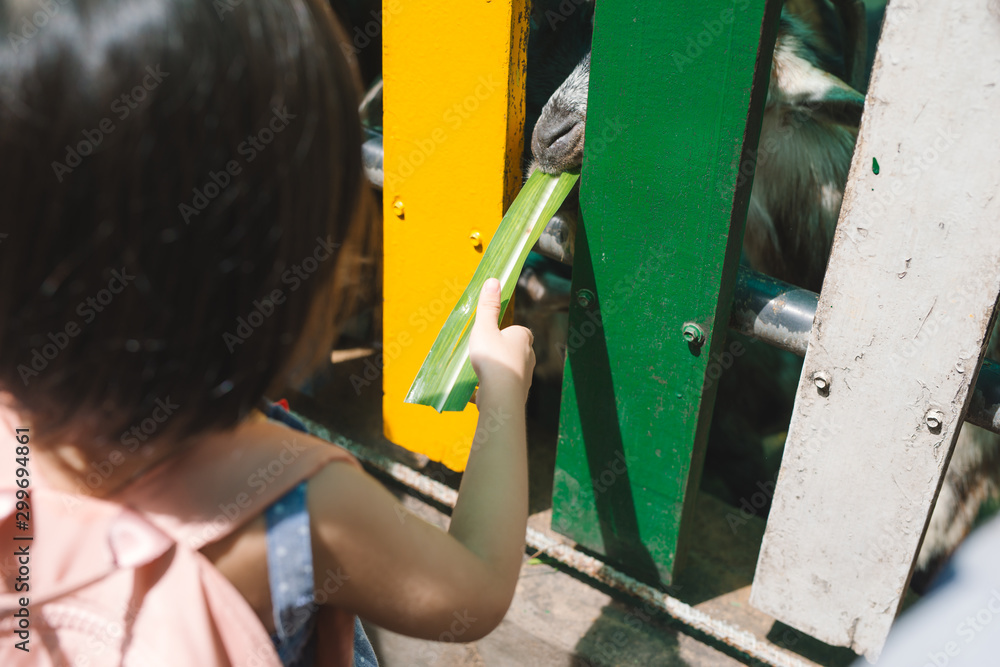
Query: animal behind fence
x=809, y=128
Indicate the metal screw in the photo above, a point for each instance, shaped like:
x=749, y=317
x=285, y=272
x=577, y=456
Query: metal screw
x=585, y=297
x=477, y=241
x=934, y=419
x=822, y=381
x=397, y=208
x=693, y=334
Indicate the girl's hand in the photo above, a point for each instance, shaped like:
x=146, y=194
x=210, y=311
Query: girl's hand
x=407, y=575
x=503, y=360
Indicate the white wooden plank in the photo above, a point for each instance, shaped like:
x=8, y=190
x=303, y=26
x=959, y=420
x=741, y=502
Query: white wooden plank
x=900, y=329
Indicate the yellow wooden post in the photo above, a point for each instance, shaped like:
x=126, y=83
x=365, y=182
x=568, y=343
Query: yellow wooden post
x=454, y=124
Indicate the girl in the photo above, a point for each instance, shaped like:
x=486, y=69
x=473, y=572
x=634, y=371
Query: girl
x=183, y=216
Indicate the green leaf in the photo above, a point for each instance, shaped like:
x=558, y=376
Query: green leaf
x=446, y=380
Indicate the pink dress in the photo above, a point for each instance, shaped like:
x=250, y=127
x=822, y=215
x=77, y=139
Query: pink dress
x=102, y=583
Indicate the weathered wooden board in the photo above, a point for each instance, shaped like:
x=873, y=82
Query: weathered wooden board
x=676, y=93
x=905, y=311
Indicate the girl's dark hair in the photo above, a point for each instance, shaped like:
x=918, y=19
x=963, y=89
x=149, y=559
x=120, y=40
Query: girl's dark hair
x=181, y=187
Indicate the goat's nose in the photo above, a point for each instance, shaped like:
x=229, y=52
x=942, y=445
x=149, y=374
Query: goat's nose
x=557, y=144
x=548, y=132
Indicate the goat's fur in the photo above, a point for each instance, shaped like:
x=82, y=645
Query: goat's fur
x=808, y=132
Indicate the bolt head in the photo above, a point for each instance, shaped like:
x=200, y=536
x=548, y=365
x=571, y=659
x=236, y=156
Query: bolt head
x=477, y=240
x=585, y=298
x=822, y=381
x=693, y=334
x=397, y=208
x=934, y=419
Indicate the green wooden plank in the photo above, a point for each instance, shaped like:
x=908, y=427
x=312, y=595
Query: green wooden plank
x=681, y=86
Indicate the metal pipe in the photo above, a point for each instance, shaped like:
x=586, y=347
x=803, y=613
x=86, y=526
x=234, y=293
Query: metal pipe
x=371, y=158
x=558, y=239
x=372, y=98
x=984, y=408
x=722, y=631
x=764, y=308
x=782, y=315
x=370, y=111
x=772, y=311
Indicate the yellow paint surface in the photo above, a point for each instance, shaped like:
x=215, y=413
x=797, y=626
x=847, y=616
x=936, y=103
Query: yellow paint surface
x=454, y=119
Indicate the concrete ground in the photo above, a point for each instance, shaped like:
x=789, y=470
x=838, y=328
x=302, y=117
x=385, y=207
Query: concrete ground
x=555, y=620
x=559, y=617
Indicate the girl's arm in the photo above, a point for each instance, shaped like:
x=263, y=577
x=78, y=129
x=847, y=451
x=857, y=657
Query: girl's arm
x=374, y=558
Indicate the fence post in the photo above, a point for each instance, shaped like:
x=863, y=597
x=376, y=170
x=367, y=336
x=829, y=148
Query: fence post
x=676, y=95
x=899, y=335
x=454, y=123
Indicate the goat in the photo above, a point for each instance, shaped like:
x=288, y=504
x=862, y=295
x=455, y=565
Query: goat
x=808, y=132
x=807, y=139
